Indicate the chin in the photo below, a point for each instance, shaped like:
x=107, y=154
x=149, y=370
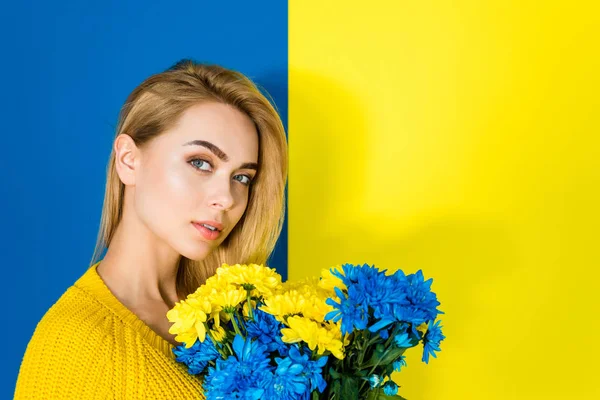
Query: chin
x=196, y=251
x=197, y=255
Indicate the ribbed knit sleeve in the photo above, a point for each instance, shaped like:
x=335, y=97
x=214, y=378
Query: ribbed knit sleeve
x=89, y=346
x=69, y=355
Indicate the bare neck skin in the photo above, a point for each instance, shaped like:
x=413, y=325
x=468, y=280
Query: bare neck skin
x=141, y=271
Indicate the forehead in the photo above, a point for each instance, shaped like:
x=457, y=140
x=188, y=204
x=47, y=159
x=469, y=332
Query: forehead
x=221, y=124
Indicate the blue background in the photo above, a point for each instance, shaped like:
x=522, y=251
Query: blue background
x=67, y=70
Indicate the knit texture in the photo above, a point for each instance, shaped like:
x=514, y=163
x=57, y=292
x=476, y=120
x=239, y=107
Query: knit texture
x=89, y=345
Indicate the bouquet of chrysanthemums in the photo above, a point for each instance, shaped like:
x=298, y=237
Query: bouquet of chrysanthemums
x=339, y=336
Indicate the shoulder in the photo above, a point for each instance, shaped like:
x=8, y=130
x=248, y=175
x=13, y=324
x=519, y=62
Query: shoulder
x=76, y=311
x=80, y=313
x=75, y=322
x=67, y=347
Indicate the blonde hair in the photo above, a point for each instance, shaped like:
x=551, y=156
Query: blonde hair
x=153, y=107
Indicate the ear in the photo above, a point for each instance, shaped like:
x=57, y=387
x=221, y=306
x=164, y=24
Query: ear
x=127, y=157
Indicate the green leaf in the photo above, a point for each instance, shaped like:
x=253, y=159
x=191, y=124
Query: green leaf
x=378, y=394
x=377, y=353
x=333, y=373
x=379, y=358
x=336, y=388
x=392, y=355
x=383, y=396
x=361, y=373
x=349, y=388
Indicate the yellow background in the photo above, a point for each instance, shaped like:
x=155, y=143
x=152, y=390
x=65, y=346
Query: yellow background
x=460, y=138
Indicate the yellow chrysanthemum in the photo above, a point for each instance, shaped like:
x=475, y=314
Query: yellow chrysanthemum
x=245, y=310
x=423, y=328
x=300, y=285
x=307, y=287
x=281, y=305
x=315, y=335
x=229, y=298
x=218, y=333
x=213, y=284
x=316, y=306
x=328, y=281
x=336, y=330
x=265, y=280
x=188, y=317
x=302, y=297
x=223, y=316
x=346, y=340
x=214, y=296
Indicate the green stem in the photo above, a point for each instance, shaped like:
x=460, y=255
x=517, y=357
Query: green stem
x=392, y=335
x=363, y=350
x=236, y=328
x=373, y=339
x=230, y=349
x=240, y=315
x=375, y=366
x=250, y=312
x=212, y=339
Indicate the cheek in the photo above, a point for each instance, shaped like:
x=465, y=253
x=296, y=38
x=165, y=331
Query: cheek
x=164, y=197
x=242, y=204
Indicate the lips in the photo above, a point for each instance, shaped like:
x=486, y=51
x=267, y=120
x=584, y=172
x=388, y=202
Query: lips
x=206, y=233
x=214, y=224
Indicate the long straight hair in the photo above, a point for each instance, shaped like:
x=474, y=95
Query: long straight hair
x=153, y=107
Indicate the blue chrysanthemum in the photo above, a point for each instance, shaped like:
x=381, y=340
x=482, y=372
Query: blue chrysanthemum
x=416, y=305
x=240, y=373
x=404, y=340
x=390, y=388
x=399, y=363
x=374, y=381
x=384, y=334
x=197, y=356
x=267, y=330
x=431, y=340
x=351, y=309
x=250, y=355
x=352, y=274
x=220, y=381
x=287, y=382
x=313, y=370
x=379, y=288
x=421, y=303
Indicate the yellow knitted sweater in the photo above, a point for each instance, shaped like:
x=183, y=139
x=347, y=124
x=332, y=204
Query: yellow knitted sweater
x=90, y=346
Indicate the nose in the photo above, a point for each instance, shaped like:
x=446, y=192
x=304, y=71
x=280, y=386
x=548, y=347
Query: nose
x=221, y=197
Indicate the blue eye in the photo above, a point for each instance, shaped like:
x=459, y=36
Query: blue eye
x=201, y=163
x=197, y=163
x=248, y=179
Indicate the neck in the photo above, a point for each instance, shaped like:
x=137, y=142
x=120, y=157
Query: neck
x=138, y=266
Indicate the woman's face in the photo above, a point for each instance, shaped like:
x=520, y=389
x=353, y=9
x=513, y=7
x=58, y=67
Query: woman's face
x=197, y=172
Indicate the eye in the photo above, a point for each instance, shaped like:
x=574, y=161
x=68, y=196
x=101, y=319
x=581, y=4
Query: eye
x=202, y=165
x=198, y=162
x=247, y=181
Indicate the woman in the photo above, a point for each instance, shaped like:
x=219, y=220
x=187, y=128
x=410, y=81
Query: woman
x=195, y=179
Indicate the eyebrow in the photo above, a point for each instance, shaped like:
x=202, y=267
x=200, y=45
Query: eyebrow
x=219, y=153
